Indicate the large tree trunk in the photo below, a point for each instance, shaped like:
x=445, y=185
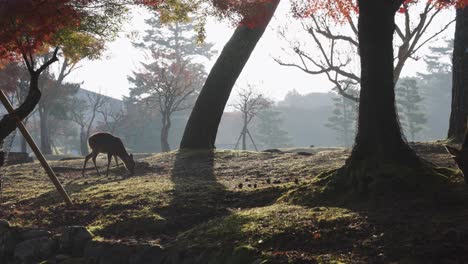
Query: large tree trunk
x=379, y=142
x=459, y=114
x=166, y=126
x=202, y=126
x=46, y=147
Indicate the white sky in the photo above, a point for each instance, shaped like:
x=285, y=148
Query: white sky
x=109, y=76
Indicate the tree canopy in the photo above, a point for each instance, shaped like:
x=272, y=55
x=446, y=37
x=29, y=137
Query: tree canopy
x=342, y=10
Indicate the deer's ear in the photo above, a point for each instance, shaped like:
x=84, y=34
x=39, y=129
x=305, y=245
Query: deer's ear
x=131, y=156
x=455, y=152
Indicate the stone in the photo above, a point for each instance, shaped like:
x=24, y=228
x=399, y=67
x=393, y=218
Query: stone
x=60, y=258
x=8, y=242
x=107, y=253
x=35, y=249
x=4, y=226
x=55, y=259
x=147, y=255
x=30, y=234
x=74, y=239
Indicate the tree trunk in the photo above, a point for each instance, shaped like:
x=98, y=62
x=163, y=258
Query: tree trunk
x=83, y=142
x=379, y=142
x=244, y=139
x=8, y=121
x=24, y=146
x=166, y=126
x=345, y=126
x=202, y=126
x=23, y=142
x=46, y=147
x=244, y=131
x=459, y=113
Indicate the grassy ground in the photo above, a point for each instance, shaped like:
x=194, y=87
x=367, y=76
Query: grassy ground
x=193, y=200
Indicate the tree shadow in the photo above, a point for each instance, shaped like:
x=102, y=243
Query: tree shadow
x=197, y=195
x=414, y=227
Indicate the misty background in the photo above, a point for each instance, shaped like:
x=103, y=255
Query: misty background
x=304, y=110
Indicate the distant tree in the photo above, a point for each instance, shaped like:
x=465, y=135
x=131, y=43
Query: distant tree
x=112, y=117
x=343, y=119
x=249, y=104
x=169, y=82
x=436, y=83
x=139, y=125
x=83, y=113
x=167, y=88
x=77, y=46
x=179, y=38
x=270, y=129
x=409, y=104
x=459, y=109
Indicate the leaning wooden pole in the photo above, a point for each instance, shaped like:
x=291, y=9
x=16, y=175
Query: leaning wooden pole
x=36, y=151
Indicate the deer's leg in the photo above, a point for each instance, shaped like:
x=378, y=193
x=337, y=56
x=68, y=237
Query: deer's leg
x=94, y=161
x=117, y=161
x=109, y=159
x=86, y=161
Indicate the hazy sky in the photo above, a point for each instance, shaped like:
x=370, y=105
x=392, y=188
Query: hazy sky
x=110, y=75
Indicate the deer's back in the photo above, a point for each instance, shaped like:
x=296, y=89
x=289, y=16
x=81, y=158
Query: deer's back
x=106, y=143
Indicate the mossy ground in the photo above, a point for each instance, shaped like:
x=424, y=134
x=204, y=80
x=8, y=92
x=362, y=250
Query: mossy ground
x=192, y=201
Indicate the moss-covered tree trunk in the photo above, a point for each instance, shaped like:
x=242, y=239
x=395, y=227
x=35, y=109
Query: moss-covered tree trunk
x=202, y=126
x=379, y=142
x=459, y=111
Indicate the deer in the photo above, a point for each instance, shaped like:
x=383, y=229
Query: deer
x=113, y=146
x=460, y=156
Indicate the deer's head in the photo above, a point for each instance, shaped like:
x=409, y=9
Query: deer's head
x=130, y=164
x=461, y=158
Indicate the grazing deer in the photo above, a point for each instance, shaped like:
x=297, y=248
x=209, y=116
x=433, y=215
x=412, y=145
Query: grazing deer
x=461, y=156
x=113, y=146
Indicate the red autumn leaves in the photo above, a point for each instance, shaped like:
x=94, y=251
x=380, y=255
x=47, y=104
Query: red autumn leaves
x=29, y=24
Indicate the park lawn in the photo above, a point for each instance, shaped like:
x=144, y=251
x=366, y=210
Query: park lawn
x=192, y=201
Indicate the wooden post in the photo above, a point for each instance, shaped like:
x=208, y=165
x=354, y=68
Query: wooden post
x=36, y=151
